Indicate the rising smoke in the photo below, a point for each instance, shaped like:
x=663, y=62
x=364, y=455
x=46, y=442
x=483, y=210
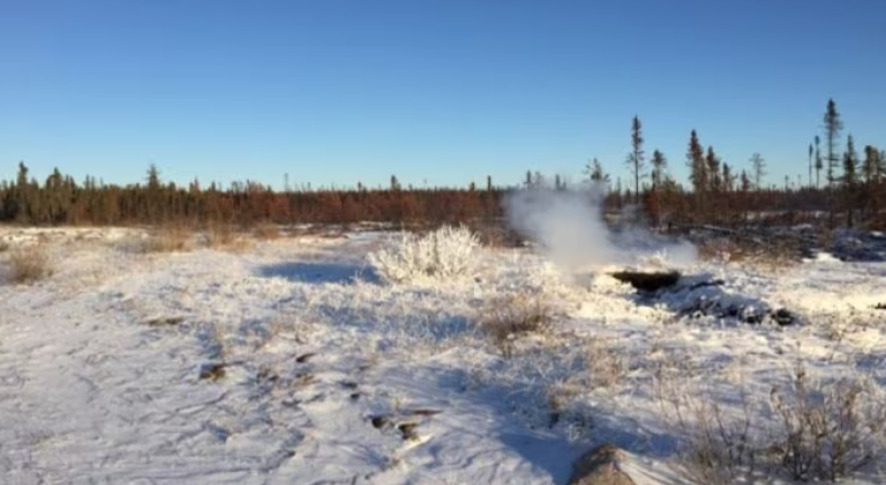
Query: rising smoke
x=570, y=230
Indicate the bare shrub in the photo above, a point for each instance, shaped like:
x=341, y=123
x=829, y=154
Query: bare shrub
x=498, y=236
x=445, y=254
x=225, y=237
x=218, y=235
x=714, y=448
x=827, y=430
x=266, y=232
x=505, y=318
x=817, y=430
x=29, y=264
x=766, y=252
x=167, y=239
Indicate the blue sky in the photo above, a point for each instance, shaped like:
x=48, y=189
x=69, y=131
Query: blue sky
x=438, y=92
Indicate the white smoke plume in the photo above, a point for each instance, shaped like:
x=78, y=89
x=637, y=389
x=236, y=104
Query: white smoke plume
x=570, y=230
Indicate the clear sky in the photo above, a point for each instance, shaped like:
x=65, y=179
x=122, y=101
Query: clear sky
x=442, y=91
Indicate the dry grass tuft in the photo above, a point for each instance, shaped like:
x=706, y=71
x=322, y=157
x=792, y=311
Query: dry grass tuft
x=29, y=264
x=504, y=319
x=167, y=239
x=225, y=237
x=605, y=362
x=266, y=232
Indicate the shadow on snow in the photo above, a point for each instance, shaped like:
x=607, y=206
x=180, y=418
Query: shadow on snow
x=319, y=273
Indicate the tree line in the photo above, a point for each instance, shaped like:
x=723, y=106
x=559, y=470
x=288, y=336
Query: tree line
x=717, y=192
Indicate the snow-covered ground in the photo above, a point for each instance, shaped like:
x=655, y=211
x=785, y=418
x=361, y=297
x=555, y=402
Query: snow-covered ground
x=292, y=362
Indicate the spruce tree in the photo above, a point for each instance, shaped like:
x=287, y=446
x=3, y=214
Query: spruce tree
x=659, y=165
x=758, y=165
x=850, y=178
x=697, y=168
x=811, y=151
x=833, y=125
x=595, y=172
x=713, y=164
x=872, y=172
x=635, y=158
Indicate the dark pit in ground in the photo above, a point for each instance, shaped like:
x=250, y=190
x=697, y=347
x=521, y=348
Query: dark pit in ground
x=646, y=280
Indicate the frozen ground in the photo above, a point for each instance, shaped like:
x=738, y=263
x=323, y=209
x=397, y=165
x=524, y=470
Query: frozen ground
x=277, y=365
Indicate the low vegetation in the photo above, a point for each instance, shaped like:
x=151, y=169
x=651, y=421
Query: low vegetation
x=226, y=237
x=506, y=318
x=809, y=430
x=167, y=239
x=29, y=264
x=445, y=255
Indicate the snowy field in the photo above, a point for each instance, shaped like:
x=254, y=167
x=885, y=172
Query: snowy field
x=293, y=361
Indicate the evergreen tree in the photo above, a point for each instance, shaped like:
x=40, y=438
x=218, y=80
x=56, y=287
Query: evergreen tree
x=850, y=179
x=697, y=168
x=22, y=200
x=833, y=125
x=869, y=165
x=872, y=171
x=811, y=151
x=850, y=164
x=758, y=166
x=728, y=178
x=713, y=165
x=635, y=158
x=595, y=172
x=745, y=182
x=153, y=178
x=659, y=165
x=818, y=164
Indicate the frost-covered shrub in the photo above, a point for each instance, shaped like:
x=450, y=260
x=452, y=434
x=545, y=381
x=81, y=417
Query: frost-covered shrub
x=445, y=254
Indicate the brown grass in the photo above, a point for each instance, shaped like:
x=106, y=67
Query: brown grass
x=506, y=318
x=29, y=264
x=226, y=237
x=769, y=253
x=266, y=232
x=497, y=236
x=168, y=239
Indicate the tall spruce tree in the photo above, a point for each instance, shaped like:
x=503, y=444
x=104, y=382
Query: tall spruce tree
x=659, y=165
x=872, y=172
x=758, y=167
x=832, y=125
x=850, y=179
x=635, y=158
x=697, y=168
x=713, y=163
x=811, y=151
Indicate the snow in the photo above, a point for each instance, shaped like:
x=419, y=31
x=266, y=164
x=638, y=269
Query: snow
x=100, y=364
